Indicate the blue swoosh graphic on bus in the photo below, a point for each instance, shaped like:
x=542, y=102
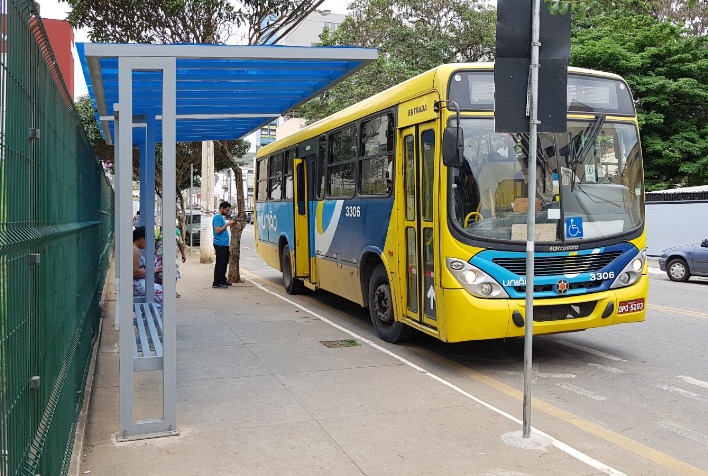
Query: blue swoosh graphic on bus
x=329, y=213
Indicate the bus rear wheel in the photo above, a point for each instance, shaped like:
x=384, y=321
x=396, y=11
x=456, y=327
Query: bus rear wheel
x=381, y=309
x=291, y=284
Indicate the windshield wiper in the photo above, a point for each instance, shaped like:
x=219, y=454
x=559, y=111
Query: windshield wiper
x=524, y=142
x=590, y=135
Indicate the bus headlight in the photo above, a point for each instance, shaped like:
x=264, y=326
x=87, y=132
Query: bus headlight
x=474, y=280
x=637, y=264
x=631, y=273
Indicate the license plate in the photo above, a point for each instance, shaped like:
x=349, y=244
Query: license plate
x=635, y=305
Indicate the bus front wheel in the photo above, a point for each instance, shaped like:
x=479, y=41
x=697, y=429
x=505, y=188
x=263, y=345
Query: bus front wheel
x=291, y=284
x=381, y=309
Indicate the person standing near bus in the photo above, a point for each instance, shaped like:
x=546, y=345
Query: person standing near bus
x=221, y=244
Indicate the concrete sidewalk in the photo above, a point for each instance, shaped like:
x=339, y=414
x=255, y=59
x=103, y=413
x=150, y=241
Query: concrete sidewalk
x=265, y=388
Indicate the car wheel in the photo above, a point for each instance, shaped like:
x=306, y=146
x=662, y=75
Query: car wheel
x=381, y=309
x=291, y=284
x=677, y=270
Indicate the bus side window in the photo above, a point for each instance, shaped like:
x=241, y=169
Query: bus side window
x=276, y=177
x=375, y=164
x=428, y=158
x=321, y=169
x=288, y=190
x=341, y=169
x=262, y=187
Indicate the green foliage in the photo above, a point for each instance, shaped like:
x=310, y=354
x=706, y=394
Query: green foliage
x=187, y=21
x=412, y=36
x=690, y=13
x=666, y=70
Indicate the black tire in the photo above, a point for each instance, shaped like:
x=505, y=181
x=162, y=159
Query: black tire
x=381, y=309
x=677, y=270
x=291, y=284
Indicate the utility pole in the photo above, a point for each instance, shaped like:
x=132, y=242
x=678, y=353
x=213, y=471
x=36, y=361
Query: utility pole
x=531, y=212
x=206, y=235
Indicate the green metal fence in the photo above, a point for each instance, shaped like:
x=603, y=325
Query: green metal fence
x=56, y=226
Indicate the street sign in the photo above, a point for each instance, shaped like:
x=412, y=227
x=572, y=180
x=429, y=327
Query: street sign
x=511, y=68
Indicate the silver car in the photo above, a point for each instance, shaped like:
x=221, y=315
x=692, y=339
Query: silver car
x=682, y=262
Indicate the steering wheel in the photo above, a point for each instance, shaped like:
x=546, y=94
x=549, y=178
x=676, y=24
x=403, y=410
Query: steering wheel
x=477, y=216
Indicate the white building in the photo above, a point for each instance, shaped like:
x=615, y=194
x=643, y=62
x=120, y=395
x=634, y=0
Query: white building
x=308, y=32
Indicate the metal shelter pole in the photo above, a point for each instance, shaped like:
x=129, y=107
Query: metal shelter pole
x=117, y=214
x=147, y=211
x=125, y=241
x=531, y=213
x=148, y=150
x=191, y=207
x=169, y=246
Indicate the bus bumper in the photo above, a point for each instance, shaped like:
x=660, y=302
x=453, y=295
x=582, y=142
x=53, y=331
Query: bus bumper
x=470, y=318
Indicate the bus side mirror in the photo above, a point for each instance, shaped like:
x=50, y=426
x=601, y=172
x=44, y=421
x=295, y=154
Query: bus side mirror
x=453, y=145
x=704, y=243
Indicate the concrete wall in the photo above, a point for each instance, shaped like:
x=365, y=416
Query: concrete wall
x=675, y=223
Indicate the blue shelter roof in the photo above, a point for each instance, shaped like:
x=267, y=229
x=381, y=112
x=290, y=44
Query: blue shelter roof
x=223, y=92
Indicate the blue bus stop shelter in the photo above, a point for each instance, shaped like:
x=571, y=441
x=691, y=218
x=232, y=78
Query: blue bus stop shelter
x=145, y=95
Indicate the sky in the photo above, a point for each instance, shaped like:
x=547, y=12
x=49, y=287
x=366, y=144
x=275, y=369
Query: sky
x=53, y=9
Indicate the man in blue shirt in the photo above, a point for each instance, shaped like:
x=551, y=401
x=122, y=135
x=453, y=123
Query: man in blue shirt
x=221, y=245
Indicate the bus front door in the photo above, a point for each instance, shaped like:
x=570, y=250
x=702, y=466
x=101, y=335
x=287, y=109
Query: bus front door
x=419, y=146
x=302, y=231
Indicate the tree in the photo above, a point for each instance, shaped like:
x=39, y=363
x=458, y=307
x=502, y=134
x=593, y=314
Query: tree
x=412, y=36
x=692, y=14
x=188, y=21
x=666, y=70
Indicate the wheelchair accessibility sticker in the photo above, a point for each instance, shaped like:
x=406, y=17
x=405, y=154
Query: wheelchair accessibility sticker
x=574, y=227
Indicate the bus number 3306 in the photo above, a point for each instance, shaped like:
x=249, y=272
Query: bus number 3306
x=352, y=212
x=602, y=276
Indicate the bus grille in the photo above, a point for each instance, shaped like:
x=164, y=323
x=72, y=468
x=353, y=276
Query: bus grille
x=562, y=312
x=548, y=266
x=547, y=288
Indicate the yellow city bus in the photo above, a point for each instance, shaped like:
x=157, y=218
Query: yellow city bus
x=409, y=203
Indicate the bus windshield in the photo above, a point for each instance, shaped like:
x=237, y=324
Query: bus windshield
x=589, y=182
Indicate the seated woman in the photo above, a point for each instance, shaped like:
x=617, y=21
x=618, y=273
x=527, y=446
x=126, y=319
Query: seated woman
x=139, y=268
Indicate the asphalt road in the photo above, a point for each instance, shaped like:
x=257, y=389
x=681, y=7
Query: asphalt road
x=626, y=395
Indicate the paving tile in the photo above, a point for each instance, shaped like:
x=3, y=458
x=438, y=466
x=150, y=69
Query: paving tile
x=204, y=363
x=311, y=355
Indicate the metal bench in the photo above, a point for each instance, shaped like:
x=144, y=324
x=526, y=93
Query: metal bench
x=147, y=344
